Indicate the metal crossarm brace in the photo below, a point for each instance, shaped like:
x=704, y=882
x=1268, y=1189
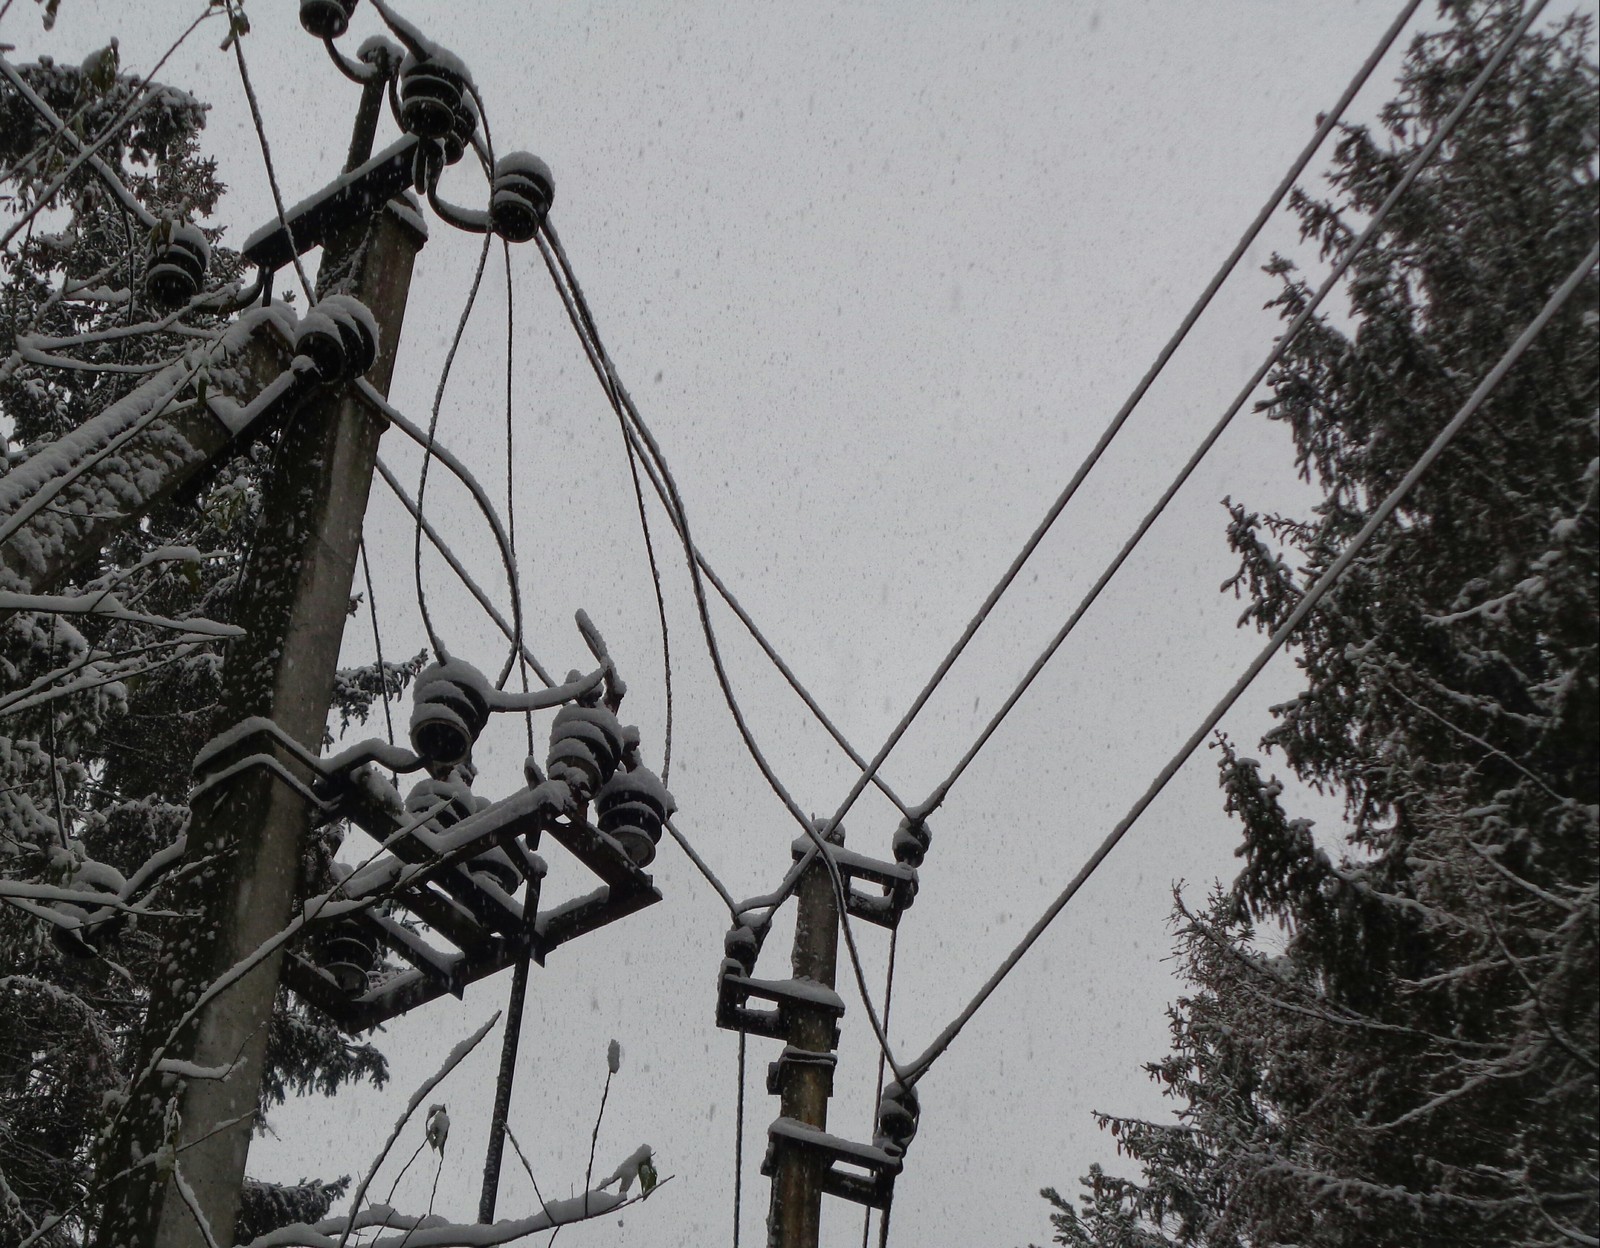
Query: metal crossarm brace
x=874, y=1187
x=426, y=873
x=897, y=883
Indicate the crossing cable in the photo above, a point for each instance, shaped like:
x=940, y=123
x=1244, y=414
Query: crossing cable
x=920, y=1065
x=141, y=100
x=582, y=325
x=1284, y=342
x=377, y=640
x=1329, y=121
x=549, y=242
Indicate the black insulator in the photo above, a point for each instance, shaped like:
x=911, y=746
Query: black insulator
x=349, y=952
x=179, y=257
x=586, y=744
x=326, y=19
x=449, y=710
x=911, y=841
x=436, y=104
x=743, y=946
x=340, y=338
x=632, y=807
x=427, y=794
x=497, y=865
x=523, y=192
x=898, y=1114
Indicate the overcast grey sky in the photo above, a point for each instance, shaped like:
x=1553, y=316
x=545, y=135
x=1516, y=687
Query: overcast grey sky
x=877, y=275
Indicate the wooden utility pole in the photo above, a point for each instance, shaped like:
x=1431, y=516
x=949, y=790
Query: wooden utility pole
x=805, y=1070
x=179, y=1148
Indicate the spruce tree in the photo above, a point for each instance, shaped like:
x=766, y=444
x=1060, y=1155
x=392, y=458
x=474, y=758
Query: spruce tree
x=101, y=718
x=1418, y=1066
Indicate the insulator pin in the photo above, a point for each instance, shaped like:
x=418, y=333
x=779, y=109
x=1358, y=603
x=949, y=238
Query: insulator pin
x=632, y=807
x=449, y=711
x=435, y=103
x=911, y=841
x=742, y=946
x=586, y=743
x=898, y=1114
x=326, y=19
x=349, y=953
x=340, y=338
x=523, y=192
x=179, y=257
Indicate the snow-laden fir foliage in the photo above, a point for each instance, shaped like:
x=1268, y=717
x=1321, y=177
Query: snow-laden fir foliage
x=1418, y=1067
x=94, y=765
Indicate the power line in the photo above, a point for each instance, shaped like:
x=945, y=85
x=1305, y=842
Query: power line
x=428, y=451
x=1323, y=130
x=549, y=241
x=1308, y=601
x=1285, y=340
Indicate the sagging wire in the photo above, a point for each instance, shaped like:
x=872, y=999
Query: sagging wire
x=1280, y=348
x=1328, y=123
x=428, y=447
x=1308, y=601
x=511, y=491
x=549, y=242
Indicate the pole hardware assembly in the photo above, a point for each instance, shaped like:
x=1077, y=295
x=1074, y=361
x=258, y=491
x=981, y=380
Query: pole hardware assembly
x=805, y=1161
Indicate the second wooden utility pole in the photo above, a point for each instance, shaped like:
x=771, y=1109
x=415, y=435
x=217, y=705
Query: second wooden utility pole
x=180, y=1146
x=805, y=1069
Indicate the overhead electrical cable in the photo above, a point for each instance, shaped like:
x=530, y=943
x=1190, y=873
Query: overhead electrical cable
x=555, y=258
x=1285, y=340
x=1308, y=602
x=1328, y=123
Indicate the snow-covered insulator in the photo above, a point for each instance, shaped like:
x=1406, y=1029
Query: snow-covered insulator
x=743, y=946
x=326, y=19
x=349, y=952
x=498, y=867
x=911, y=841
x=435, y=103
x=458, y=801
x=523, y=192
x=450, y=708
x=898, y=1114
x=586, y=743
x=179, y=257
x=631, y=808
x=340, y=338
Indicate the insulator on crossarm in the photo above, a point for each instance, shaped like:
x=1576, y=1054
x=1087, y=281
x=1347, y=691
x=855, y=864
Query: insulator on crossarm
x=523, y=192
x=632, y=807
x=898, y=1114
x=349, y=952
x=340, y=338
x=179, y=257
x=911, y=841
x=449, y=800
x=586, y=743
x=449, y=710
x=435, y=102
x=742, y=946
x=326, y=19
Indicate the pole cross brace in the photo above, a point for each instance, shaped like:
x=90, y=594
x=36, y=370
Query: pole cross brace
x=870, y=1182
x=897, y=883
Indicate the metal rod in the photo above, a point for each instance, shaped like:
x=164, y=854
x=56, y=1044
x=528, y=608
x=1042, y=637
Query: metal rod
x=502, y=1090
